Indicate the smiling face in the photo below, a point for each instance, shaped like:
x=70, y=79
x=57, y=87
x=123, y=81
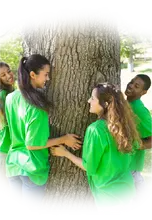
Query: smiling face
x=95, y=107
x=6, y=76
x=39, y=80
x=135, y=89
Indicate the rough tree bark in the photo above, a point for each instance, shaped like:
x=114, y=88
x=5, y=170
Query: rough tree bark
x=81, y=56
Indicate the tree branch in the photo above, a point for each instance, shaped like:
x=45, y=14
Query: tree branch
x=11, y=28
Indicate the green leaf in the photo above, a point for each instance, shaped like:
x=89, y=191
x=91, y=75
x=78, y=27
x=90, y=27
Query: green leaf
x=11, y=53
x=128, y=46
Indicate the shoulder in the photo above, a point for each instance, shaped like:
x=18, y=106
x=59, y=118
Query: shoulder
x=139, y=108
x=17, y=100
x=3, y=93
x=100, y=126
x=36, y=111
x=12, y=95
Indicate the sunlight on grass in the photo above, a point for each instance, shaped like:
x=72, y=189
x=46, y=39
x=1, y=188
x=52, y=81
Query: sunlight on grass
x=146, y=70
x=140, y=65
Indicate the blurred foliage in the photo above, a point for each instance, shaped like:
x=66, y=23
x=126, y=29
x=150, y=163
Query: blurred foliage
x=11, y=52
x=132, y=36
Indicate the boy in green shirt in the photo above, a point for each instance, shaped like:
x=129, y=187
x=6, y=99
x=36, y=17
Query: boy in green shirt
x=136, y=88
x=6, y=86
x=107, y=147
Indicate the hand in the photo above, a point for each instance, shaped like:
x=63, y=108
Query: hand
x=141, y=148
x=58, y=151
x=71, y=140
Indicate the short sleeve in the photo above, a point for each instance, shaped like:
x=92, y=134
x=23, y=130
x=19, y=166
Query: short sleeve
x=37, y=128
x=144, y=123
x=94, y=146
x=3, y=98
x=3, y=122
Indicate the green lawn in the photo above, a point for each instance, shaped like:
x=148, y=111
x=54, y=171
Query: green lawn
x=149, y=70
x=144, y=66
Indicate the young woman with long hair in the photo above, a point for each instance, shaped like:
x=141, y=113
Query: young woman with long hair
x=6, y=86
x=108, y=146
x=27, y=163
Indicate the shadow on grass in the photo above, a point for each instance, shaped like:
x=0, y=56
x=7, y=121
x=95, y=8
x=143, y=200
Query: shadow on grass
x=139, y=63
x=149, y=70
x=136, y=64
x=124, y=65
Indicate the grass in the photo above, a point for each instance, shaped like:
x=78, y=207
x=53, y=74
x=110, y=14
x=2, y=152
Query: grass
x=141, y=65
x=137, y=63
x=149, y=70
x=123, y=65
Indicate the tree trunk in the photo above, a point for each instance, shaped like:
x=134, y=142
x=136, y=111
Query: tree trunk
x=81, y=56
x=131, y=60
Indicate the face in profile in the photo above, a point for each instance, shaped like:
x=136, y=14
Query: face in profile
x=39, y=80
x=95, y=107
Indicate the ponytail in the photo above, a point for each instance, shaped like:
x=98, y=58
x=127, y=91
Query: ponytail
x=33, y=96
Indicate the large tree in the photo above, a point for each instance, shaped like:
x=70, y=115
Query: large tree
x=81, y=56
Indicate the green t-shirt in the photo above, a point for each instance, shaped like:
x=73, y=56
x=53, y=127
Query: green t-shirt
x=4, y=130
x=29, y=126
x=144, y=127
x=107, y=168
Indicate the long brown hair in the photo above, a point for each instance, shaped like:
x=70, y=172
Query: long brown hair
x=8, y=89
x=120, y=118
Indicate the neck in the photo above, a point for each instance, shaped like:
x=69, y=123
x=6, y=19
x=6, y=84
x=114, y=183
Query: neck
x=33, y=84
x=131, y=99
x=8, y=88
x=103, y=117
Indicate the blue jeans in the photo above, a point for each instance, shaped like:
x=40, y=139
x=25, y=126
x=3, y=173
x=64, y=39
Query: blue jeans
x=22, y=186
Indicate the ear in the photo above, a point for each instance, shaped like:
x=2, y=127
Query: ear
x=144, y=92
x=32, y=75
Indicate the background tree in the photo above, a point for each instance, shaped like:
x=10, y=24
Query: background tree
x=81, y=56
x=129, y=49
x=11, y=52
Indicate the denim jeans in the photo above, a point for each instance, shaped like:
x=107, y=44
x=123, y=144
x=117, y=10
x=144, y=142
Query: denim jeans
x=142, y=190
x=22, y=187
